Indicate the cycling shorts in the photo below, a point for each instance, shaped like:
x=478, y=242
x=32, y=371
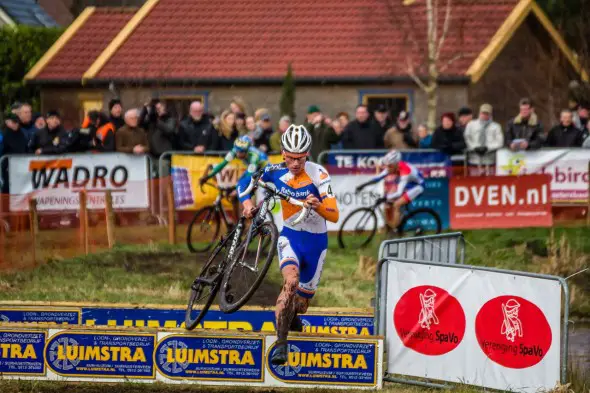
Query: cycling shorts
x=412, y=191
x=307, y=251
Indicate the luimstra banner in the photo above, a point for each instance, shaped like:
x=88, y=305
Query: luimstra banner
x=210, y=358
x=491, y=329
x=187, y=170
x=568, y=169
x=500, y=202
x=55, y=181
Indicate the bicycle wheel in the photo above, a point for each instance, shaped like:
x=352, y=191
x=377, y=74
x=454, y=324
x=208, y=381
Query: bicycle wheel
x=248, y=268
x=420, y=222
x=358, y=229
x=203, y=229
x=204, y=287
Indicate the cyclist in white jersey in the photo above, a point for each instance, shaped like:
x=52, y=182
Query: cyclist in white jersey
x=301, y=248
x=410, y=183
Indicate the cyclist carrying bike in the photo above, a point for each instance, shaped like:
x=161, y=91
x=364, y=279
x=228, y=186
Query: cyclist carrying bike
x=302, y=248
x=410, y=183
x=243, y=150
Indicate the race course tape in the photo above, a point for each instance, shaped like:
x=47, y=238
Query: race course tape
x=93, y=354
x=317, y=320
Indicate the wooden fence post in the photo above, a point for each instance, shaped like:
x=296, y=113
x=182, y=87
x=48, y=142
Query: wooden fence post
x=171, y=213
x=34, y=226
x=84, y=221
x=110, y=218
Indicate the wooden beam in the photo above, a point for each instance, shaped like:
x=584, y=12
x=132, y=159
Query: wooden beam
x=119, y=40
x=60, y=43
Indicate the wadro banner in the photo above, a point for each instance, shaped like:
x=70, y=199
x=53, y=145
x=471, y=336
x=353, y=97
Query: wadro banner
x=500, y=202
x=55, y=181
x=463, y=325
x=568, y=169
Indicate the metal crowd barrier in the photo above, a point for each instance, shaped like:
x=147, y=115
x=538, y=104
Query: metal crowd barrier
x=442, y=248
x=323, y=154
x=380, y=323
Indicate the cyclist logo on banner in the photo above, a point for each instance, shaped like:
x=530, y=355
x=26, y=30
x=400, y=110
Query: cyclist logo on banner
x=427, y=314
x=512, y=326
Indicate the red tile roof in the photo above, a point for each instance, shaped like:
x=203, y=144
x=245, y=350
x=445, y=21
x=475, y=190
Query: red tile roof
x=78, y=54
x=243, y=39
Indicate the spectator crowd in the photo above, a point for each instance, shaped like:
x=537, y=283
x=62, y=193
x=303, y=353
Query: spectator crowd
x=152, y=129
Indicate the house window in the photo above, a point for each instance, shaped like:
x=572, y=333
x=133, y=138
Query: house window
x=90, y=102
x=395, y=102
x=179, y=104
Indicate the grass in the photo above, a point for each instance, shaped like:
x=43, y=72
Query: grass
x=160, y=273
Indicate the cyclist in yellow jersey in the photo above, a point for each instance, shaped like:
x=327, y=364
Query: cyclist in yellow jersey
x=301, y=248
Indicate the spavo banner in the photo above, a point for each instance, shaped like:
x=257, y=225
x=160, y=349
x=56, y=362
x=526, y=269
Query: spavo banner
x=568, y=169
x=485, y=328
x=55, y=181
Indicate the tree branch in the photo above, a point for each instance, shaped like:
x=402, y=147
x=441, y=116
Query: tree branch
x=448, y=63
x=445, y=29
x=414, y=77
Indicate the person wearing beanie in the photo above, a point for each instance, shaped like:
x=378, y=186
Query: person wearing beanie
x=483, y=137
x=116, y=113
x=465, y=115
x=448, y=137
x=52, y=139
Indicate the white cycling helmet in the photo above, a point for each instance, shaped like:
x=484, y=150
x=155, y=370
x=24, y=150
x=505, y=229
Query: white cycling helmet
x=393, y=157
x=296, y=140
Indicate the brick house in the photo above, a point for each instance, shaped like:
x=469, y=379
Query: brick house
x=343, y=52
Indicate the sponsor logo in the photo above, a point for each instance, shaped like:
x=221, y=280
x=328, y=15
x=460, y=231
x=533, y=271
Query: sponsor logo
x=62, y=173
x=327, y=361
x=109, y=355
x=429, y=320
x=21, y=353
x=513, y=332
x=211, y=358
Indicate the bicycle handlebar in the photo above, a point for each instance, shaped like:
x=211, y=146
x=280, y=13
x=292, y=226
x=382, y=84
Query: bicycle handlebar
x=259, y=183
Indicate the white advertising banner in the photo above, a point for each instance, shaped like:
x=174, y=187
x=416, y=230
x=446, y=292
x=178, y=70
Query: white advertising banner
x=490, y=329
x=55, y=181
x=568, y=169
x=343, y=187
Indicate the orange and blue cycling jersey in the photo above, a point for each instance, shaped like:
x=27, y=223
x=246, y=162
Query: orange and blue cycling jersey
x=410, y=182
x=303, y=245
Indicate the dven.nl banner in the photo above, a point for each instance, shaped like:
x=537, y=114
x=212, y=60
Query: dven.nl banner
x=568, y=169
x=501, y=202
x=55, y=181
x=491, y=329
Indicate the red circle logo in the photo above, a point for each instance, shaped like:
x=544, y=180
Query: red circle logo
x=513, y=332
x=429, y=320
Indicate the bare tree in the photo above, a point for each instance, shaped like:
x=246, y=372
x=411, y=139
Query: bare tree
x=425, y=66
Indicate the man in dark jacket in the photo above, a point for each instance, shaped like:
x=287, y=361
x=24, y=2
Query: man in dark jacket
x=27, y=124
x=525, y=131
x=161, y=127
x=448, y=138
x=381, y=115
x=196, y=132
x=53, y=139
x=322, y=134
x=362, y=133
x=14, y=141
x=565, y=134
x=131, y=138
x=116, y=113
